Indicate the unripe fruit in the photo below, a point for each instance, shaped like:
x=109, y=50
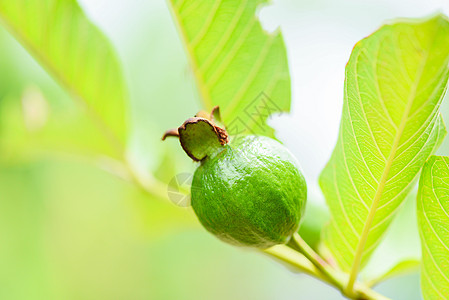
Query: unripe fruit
x=249, y=192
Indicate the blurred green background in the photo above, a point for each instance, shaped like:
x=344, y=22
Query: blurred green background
x=69, y=229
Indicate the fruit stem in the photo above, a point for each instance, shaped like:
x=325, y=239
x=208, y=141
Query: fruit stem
x=296, y=260
x=333, y=276
x=300, y=245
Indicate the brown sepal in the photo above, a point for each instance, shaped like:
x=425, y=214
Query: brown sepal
x=171, y=132
x=201, y=116
x=221, y=133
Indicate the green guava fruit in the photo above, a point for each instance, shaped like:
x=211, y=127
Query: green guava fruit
x=249, y=192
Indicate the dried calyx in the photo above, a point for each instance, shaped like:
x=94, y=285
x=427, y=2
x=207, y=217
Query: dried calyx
x=249, y=194
x=200, y=136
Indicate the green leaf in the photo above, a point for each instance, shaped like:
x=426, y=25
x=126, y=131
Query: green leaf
x=31, y=126
x=395, y=81
x=401, y=268
x=399, y=246
x=76, y=54
x=236, y=64
x=433, y=219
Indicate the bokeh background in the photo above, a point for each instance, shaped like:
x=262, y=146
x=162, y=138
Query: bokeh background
x=69, y=229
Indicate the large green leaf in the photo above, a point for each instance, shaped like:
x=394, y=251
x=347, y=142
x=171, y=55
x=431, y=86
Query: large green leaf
x=399, y=252
x=433, y=220
x=395, y=81
x=235, y=63
x=76, y=53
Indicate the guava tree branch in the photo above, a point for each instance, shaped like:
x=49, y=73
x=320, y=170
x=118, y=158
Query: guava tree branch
x=333, y=276
x=300, y=262
x=298, y=254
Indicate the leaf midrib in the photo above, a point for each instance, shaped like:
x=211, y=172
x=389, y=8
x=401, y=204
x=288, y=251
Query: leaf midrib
x=381, y=186
x=205, y=97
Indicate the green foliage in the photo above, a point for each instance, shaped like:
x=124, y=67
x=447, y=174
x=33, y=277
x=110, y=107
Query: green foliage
x=31, y=126
x=236, y=64
x=401, y=268
x=37, y=116
x=77, y=54
x=400, y=247
x=395, y=81
x=64, y=216
x=433, y=220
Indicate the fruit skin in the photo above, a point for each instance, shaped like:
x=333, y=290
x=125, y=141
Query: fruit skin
x=250, y=193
